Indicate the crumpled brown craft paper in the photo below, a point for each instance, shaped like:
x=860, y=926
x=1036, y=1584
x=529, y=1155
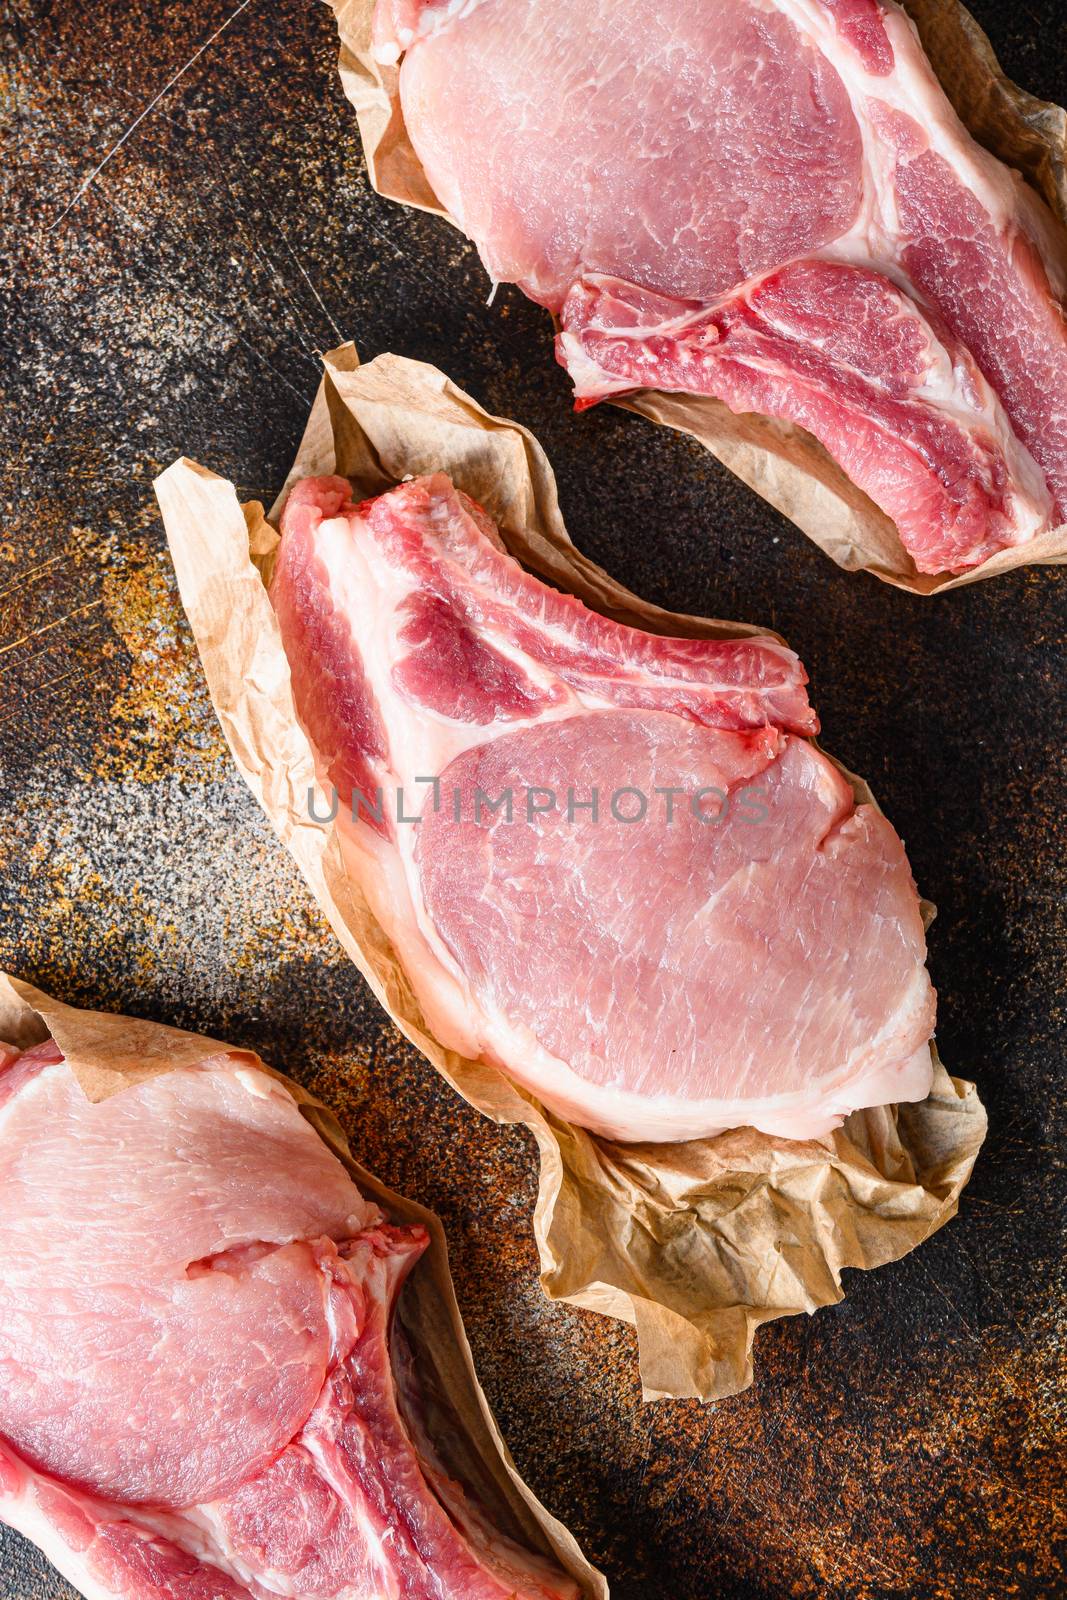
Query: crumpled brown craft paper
x=784, y=464
x=695, y=1243
x=108, y=1053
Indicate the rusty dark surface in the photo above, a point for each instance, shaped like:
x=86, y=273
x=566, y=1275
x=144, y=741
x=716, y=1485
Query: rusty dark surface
x=908, y=1443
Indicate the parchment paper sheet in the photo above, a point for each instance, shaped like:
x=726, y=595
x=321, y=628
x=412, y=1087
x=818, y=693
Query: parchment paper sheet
x=695, y=1243
x=108, y=1053
x=784, y=464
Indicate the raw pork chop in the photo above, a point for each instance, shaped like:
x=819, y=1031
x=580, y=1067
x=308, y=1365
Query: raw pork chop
x=197, y=1400
x=612, y=864
x=771, y=202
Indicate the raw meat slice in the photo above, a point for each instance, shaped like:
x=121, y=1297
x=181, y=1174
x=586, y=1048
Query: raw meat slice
x=611, y=864
x=800, y=344
x=197, y=1396
x=687, y=154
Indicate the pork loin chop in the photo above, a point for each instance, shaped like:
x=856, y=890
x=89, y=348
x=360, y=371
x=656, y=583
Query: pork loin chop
x=198, y=1396
x=771, y=202
x=612, y=864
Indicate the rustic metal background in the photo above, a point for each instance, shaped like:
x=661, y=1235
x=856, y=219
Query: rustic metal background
x=907, y=1443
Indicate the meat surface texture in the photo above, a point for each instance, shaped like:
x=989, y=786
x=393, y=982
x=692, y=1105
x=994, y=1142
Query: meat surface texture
x=771, y=202
x=613, y=865
x=197, y=1396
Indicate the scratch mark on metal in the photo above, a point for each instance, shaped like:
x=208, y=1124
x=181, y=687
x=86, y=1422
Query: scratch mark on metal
x=687, y=1469
x=304, y=274
x=790, y=1405
x=639, y=1482
x=147, y=112
x=283, y=236
x=35, y=633
x=1005, y=1377
x=74, y=672
x=302, y=329
x=178, y=290
x=37, y=654
x=33, y=572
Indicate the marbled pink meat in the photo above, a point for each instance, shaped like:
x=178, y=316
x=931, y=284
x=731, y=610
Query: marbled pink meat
x=197, y=1400
x=721, y=155
x=956, y=489
x=612, y=864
